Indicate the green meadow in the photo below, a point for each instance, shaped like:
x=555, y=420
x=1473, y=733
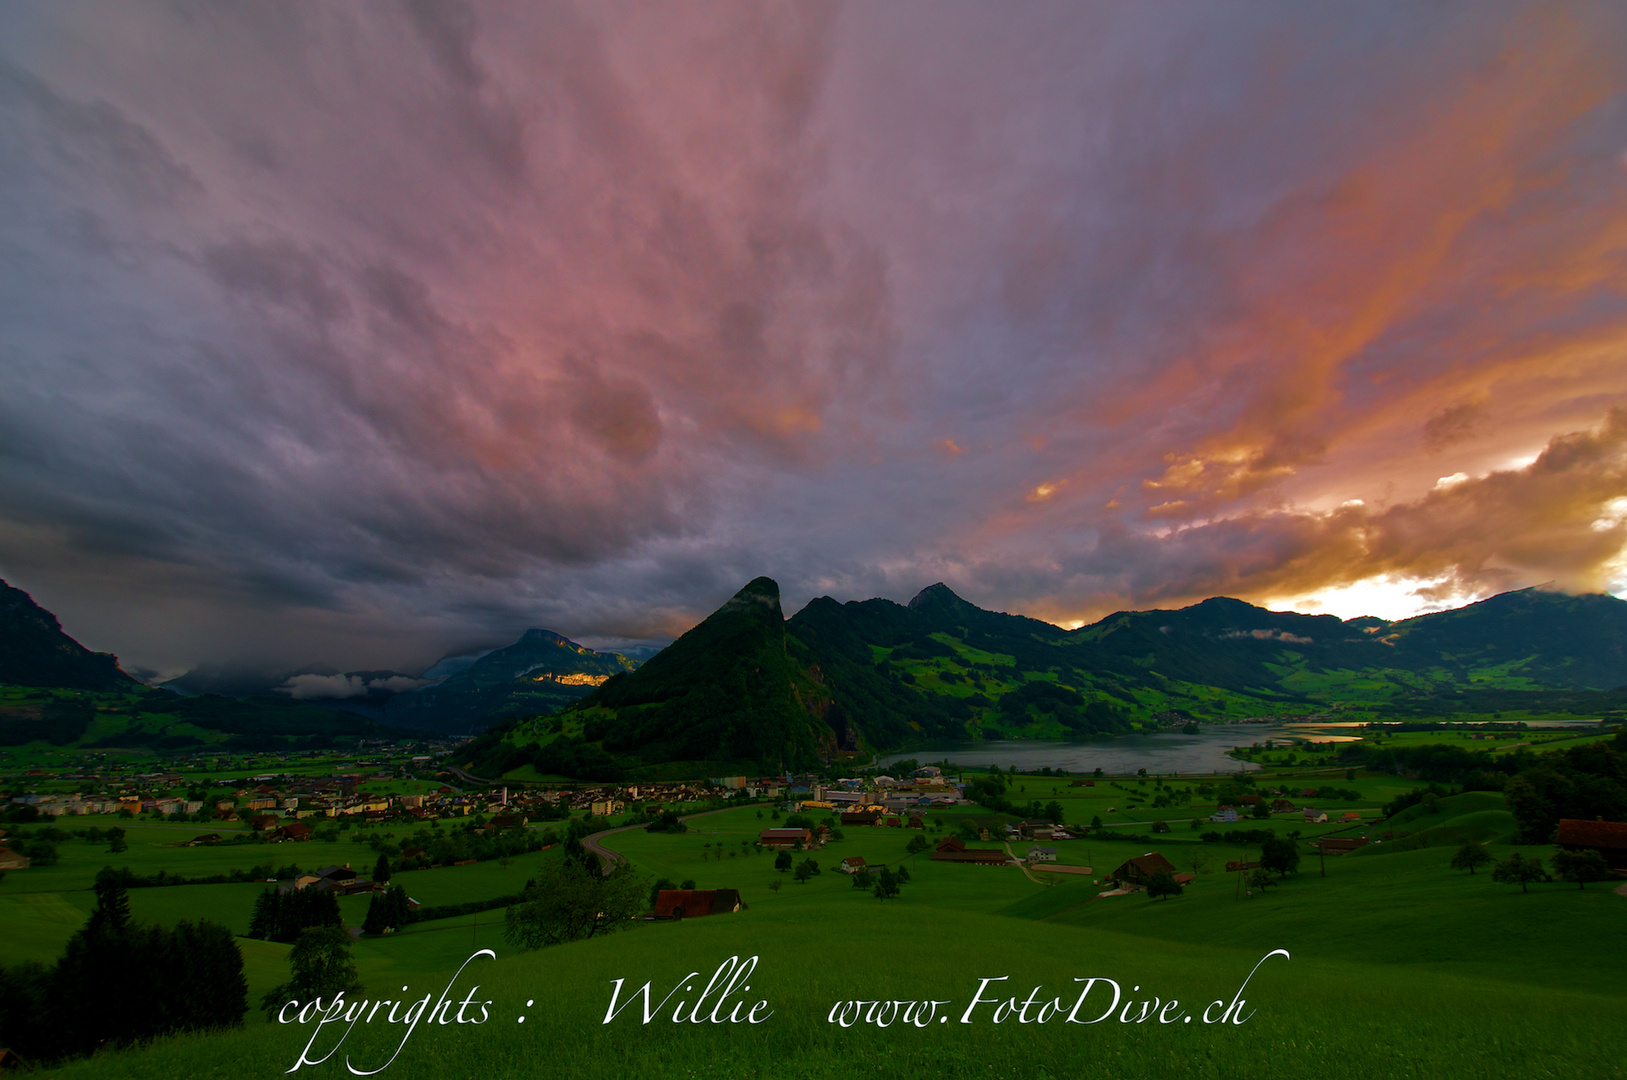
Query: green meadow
x=1399, y=966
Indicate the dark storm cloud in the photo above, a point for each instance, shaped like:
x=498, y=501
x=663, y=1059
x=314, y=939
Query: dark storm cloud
x=367, y=333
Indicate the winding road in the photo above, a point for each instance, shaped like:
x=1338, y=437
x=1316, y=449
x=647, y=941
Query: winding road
x=612, y=859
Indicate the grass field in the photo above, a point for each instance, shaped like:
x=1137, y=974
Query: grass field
x=1400, y=967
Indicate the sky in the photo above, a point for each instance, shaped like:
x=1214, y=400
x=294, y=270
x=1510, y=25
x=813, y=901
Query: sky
x=367, y=333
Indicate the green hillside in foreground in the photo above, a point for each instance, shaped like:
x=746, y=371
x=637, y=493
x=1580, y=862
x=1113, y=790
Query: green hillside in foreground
x=1398, y=966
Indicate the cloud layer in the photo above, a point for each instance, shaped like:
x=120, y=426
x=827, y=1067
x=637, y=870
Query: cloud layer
x=364, y=335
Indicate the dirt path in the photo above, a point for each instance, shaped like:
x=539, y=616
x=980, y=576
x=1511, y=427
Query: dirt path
x=1024, y=868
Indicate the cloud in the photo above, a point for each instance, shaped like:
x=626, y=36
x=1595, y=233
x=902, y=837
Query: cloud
x=371, y=337
x=337, y=687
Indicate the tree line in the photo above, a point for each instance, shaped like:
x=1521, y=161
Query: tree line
x=120, y=981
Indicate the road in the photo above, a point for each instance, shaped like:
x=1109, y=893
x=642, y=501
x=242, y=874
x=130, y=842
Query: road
x=611, y=859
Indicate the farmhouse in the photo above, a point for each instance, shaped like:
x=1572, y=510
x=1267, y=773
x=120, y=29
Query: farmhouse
x=1140, y=870
x=1338, y=845
x=976, y=856
x=785, y=839
x=1608, y=838
x=1036, y=830
x=853, y=864
x=1041, y=854
x=693, y=903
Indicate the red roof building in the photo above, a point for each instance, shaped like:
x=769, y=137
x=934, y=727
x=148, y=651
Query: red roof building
x=1608, y=838
x=693, y=903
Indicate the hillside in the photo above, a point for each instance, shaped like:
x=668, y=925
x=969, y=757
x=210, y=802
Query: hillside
x=35, y=652
x=541, y=672
x=745, y=687
x=728, y=692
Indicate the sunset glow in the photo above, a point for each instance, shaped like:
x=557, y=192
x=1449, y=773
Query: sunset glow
x=377, y=333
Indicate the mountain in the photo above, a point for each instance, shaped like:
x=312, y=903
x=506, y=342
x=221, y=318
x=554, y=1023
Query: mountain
x=746, y=688
x=539, y=673
x=35, y=652
x=729, y=692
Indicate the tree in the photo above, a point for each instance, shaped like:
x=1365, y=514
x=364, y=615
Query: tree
x=1163, y=884
x=116, y=844
x=1260, y=811
x=1519, y=869
x=1096, y=823
x=283, y=916
x=1471, y=854
x=320, y=965
x=782, y=861
x=1279, y=856
x=1580, y=866
x=388, y=910
x=381, y=870
x=887, y=885
x=659, y=887
x=1053, y=810
x=917, y=844
x=806, y=869
x=776, y=885
x=1260, y=879
x=569, y=902
x=687, y=883
x=112, y=910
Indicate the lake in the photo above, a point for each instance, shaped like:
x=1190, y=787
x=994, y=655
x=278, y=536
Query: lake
x=1162, y=752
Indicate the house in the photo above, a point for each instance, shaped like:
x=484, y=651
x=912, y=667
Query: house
x=1608, y=838
x=1140, y=870
x=693, y=903
x=1281, y=806
x=336, y=873
x=263, y=822
x=1041, y=854
x=1315, y=816
x=1225, y=813
x=853, y=864
x=951, y=843
x=976, y=856
x=1338, y=845
x=1351, y=815
x=295, y=830
x=859, y=817
x=784, y=839
x=1036, y=830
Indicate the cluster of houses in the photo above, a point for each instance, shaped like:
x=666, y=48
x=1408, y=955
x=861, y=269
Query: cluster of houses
x=1230, y=813
x=923, y=789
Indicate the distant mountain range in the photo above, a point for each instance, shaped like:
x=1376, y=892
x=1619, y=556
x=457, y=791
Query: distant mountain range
x=750, y=690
